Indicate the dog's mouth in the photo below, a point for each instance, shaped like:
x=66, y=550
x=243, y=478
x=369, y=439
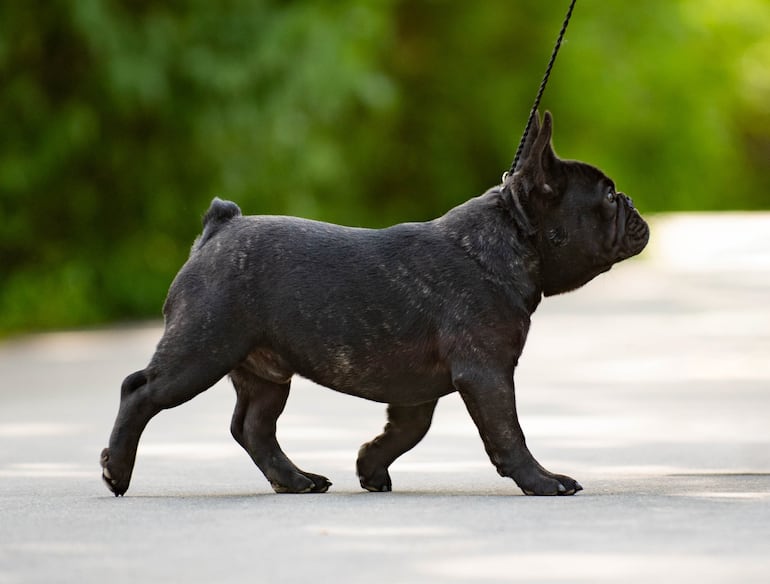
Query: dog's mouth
x=632, y=232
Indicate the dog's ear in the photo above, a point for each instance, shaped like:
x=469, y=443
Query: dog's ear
x=534, y=130
x=539, y=160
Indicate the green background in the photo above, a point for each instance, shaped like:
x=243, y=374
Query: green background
x=119, y=121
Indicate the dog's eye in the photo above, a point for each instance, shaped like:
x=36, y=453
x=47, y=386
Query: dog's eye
x=611, y=195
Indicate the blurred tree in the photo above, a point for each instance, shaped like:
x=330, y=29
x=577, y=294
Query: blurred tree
x=119, y=120
x=122, y=119
x=675, y=95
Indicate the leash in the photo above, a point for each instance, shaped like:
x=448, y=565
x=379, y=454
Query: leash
x=541, y=89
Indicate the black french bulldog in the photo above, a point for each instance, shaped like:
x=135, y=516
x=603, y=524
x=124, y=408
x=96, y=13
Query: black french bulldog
x=403, y=315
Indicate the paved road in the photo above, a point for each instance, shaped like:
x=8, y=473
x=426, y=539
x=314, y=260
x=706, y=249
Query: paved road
x=651, y=386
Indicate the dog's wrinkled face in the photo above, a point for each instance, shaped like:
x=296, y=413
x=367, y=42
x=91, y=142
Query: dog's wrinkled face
x=584, y=225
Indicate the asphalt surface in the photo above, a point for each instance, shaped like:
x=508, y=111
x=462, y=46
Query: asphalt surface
x=651, y=386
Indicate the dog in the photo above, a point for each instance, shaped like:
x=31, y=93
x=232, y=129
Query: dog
x=402, y=315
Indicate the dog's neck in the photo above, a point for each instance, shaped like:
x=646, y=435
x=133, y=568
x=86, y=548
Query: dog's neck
x=501, y=238
x=511, y=193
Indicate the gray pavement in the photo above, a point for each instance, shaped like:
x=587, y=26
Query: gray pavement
x=651, y=386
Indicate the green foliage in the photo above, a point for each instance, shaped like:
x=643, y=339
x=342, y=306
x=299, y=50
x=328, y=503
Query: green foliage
x=120, y=120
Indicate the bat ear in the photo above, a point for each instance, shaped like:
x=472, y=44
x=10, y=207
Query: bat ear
x=534, y=130
x=538, y=159
x=543, y=141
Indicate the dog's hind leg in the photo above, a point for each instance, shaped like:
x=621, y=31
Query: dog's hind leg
x=406, y=426
x=175, y=375
x=259, y=404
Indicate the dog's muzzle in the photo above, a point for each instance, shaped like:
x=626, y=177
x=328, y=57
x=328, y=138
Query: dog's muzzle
x=634, y=231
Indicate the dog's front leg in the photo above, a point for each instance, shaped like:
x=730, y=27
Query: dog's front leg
x=491, y=401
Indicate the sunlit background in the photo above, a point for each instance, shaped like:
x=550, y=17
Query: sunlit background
x=119, y=121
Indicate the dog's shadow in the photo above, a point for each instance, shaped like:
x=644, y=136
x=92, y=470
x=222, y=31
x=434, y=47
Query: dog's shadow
x=703, y=485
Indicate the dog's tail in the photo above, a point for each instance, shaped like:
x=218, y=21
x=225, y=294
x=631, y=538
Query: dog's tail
x=219, y=214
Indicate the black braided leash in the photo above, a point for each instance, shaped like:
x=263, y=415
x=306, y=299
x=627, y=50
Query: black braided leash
x=541, y=89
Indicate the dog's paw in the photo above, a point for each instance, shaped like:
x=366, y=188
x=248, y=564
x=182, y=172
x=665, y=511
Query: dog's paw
x=320, y=483
x=372, y=474
x=567, y=485
x=377, y=481
x=111, y=476
x=300, y=482
x=541, y=482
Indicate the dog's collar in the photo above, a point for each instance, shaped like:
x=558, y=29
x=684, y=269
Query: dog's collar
x=517, y=210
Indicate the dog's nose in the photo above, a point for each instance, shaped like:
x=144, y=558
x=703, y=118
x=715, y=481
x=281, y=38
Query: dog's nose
x=628, y=200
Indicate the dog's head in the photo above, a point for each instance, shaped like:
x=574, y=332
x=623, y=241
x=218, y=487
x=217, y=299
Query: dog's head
x=582, y=224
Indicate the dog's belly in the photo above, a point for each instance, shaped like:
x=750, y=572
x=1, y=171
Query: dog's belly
x=400, y=388
x=386, y=380
x=381, y=375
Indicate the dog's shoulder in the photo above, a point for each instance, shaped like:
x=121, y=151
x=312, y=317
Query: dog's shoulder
x=220, y=213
